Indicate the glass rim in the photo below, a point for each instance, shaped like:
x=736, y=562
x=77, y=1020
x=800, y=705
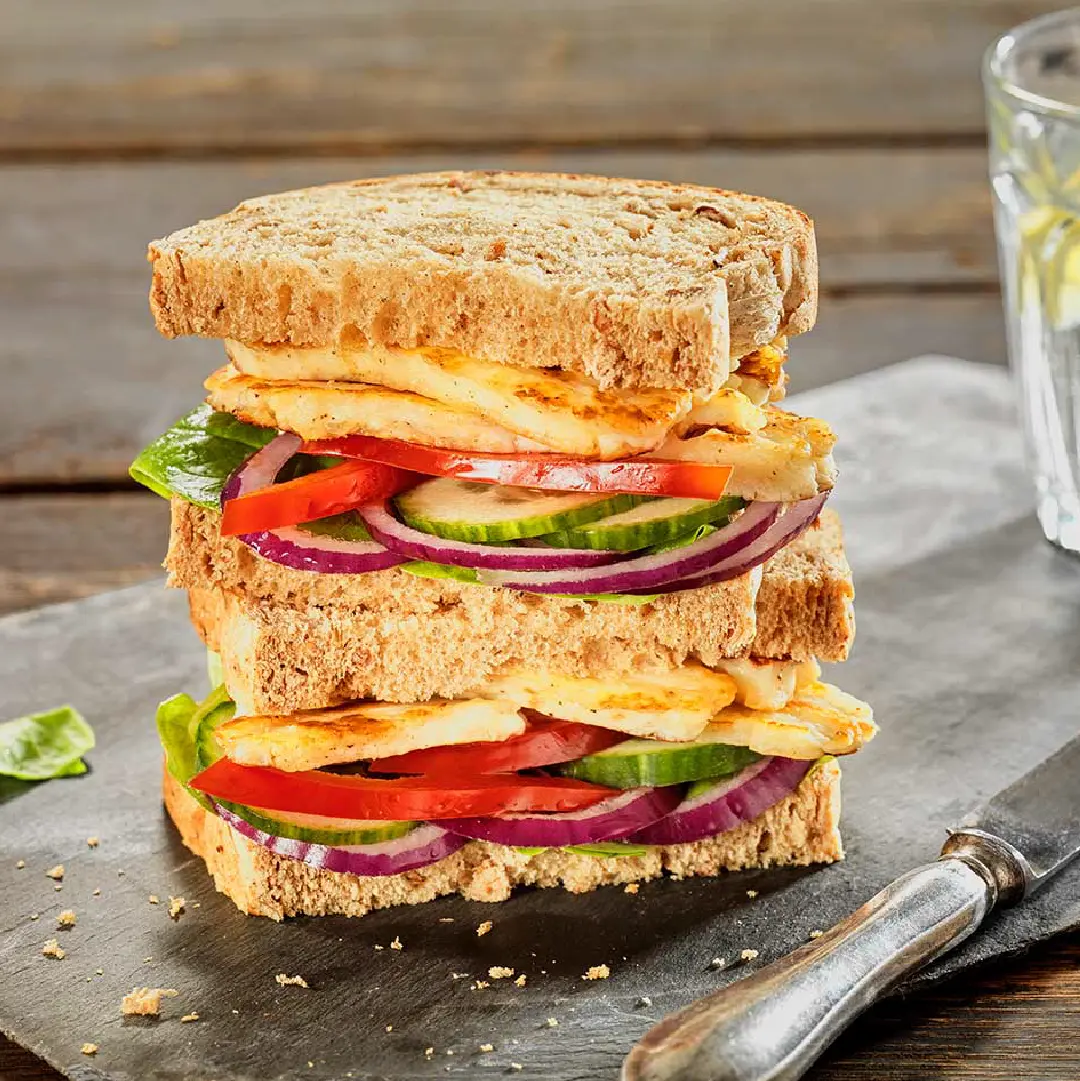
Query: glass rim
x=1002, y=47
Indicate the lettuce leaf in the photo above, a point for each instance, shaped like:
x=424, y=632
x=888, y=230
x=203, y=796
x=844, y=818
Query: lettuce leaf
x=599, y=851
x=41, y=746
x=197, y=455
x=178, y=719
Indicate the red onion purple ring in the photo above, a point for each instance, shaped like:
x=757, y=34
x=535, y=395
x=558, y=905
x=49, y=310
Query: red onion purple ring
x=612, y=819
x=420, y=847
x=727, y=803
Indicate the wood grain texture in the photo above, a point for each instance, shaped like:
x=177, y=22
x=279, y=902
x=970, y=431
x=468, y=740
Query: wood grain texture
x=73, y=279
x=228, y=74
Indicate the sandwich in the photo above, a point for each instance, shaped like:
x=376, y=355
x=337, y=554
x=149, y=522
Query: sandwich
x=511, y=567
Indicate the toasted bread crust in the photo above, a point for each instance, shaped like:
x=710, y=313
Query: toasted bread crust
x=801, y=829
x=295, y=640
x=634, y=283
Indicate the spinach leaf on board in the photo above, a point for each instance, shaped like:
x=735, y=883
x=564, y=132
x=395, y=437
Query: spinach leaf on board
x=45, y=745
x=197, y=455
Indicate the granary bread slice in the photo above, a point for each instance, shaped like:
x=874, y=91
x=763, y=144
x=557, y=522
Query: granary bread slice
x=293, y=640
x=801, y=829
x=634, y=283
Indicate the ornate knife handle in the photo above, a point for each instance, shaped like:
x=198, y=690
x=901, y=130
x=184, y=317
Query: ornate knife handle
x=772, y=1025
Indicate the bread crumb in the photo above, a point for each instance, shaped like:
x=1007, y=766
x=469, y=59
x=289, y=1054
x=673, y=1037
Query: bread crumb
x=397, y=944
x=58, y=887
x=97, y=893
x=487, y=1047
x=520, y=981
x=459, y=975
x=53, y=949
x=751, y=894
x=748, y=955
x=428, y=1052
x=446, y=919
x=67, y=918
x=630, y=887
x=145, y=1001
x=816, y=934
x=56, y=872
x=484, y=928
x=290, y=981
x=552, y=1022
x=480, y=985
x=500, y=972
x=147, y=960
x=189, y=1017
x=88, y=1049
x=717, y=962
x=176, y=907
x=516, y=1066
x=644, y=1000
x=378, y=947
x=20, y=865
x=35, y=915
x=99, y=972
x=92, y=842
x=389, y=1028
x=153, y=899
x=597, y=972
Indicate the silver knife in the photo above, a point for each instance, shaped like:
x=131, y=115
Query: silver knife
x=772, y=1025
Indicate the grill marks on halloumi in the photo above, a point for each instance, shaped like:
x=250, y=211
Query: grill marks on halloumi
x=325, y=737
x=564, y=411
x=671, y=704
x=329, y=410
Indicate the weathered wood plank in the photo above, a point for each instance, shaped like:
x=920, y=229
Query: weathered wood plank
x=87, y=381
x=228, y=74
x=58, y=548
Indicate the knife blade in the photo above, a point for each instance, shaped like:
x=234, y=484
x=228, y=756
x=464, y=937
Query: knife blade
x=773, y=1025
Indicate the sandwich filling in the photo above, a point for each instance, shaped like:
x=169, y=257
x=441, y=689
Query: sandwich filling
x=367, y=459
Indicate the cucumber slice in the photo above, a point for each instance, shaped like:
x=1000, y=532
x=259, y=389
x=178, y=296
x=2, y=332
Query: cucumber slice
x=656, y=522
x=216, y=710
x=491, y=513
x=649, y=762
x=317, y=830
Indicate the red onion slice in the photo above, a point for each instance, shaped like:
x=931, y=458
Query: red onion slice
x=727, y=803
x=645, y=573
x=610, y=820
x=414, y=544
x=422, y=846
x=293, y=547
x=793, y=522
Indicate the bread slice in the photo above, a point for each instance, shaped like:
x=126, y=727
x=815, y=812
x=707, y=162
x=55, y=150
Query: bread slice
x=801, y=829
x=294, y=640
x=635, y=283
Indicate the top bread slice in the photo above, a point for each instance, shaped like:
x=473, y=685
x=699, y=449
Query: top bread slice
x=634, y=283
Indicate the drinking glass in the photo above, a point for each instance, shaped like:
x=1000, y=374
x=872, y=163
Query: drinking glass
x=1032, y=81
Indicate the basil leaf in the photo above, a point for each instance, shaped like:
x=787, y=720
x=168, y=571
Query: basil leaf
x=197, y=455
x=45, y=745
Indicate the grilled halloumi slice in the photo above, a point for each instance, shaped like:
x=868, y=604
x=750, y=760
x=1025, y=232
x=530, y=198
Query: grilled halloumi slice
x=819, y=719
x=331, y=410
x=787, y=460
x=727, y=408
x=353, y=733
x=565, y=411
x=666, y=704
x=768, y=684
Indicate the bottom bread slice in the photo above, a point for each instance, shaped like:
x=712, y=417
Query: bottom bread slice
x=801, y=829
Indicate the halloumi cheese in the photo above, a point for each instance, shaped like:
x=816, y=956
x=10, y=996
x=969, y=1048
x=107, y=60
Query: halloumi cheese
x=331, y=410
x=565, y=411
x=768, y=684
x=819, y=719
x=787, y=460
x=324, y=737
x=665, y=704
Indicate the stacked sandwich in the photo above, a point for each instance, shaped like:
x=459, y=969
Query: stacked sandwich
x=511, y=567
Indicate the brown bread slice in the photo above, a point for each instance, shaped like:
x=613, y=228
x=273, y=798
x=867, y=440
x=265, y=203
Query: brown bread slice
x=295, y=640
x=634, y=283
x=801, y=829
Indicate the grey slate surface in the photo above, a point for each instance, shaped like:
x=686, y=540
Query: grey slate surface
x=968, y=649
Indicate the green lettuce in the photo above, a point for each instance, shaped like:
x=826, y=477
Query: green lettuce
x=197, y=455
x=45, y=745
x=178, y=720
x=599, y=851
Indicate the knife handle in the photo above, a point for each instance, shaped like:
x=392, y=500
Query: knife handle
x=773, y=1024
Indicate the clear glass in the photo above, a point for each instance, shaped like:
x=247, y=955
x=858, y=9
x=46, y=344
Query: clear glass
x=1032, y=81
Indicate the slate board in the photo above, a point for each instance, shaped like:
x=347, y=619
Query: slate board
x=968, y=649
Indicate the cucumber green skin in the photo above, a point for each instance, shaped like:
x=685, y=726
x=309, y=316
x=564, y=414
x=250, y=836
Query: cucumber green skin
x=631, y=537
x=517, y=529
x=662, y=764
x=207, y=753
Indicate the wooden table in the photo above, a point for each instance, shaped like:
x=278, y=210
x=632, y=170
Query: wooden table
x=121, y=121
